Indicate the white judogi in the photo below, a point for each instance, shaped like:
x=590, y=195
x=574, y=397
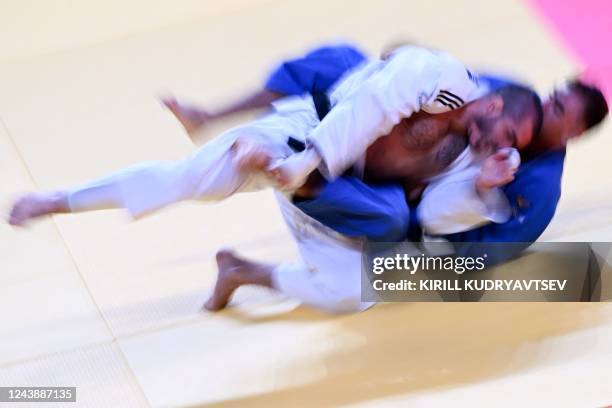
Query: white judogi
x=450, y=203
x=367, y=105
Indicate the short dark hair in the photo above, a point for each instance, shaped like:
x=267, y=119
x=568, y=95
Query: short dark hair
x=595, y=105
x=521, y=103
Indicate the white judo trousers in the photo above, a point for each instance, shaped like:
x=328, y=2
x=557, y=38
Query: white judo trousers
x=329, y=276
x=209, y=174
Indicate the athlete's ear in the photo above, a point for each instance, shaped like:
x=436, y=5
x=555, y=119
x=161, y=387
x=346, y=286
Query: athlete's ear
x=495, y=105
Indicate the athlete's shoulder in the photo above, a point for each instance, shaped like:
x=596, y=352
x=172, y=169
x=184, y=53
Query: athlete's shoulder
x=457, y=85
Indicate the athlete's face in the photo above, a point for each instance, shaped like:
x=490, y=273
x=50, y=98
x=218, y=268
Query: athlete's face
x=488, y=133
x=563, y=117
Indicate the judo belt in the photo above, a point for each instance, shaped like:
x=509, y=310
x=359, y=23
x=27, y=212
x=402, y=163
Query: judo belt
x=323, y=106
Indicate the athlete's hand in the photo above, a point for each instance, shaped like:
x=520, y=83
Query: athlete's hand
x=498, y=170
x=291, y=173
x=192, y=118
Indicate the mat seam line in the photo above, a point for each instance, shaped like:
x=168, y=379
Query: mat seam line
x=74, y=263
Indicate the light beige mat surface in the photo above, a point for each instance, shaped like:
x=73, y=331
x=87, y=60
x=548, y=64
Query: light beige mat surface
x=113, y=307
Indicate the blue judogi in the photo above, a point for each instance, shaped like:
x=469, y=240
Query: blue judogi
x=354, y=208
x=533, y=195
x=380, y=212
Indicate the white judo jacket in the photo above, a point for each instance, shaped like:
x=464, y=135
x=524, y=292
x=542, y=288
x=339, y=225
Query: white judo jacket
x=373, y=99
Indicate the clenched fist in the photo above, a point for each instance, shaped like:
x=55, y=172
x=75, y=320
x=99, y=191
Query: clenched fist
x=498, y=169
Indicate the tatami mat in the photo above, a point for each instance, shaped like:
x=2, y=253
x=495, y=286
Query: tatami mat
x=99, y=373
x=114, y=307
x=45, y=306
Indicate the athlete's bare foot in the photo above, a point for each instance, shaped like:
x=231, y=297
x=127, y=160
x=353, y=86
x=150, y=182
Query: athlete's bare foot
x=34, y=205
x=228, y=280
x=190, y=117
x=233, y=273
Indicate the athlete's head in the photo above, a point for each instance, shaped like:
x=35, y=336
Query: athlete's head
x=508, y=117
x=569, y=111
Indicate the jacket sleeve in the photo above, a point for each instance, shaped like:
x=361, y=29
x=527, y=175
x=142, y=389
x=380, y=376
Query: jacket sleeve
x=401, y=87
x=455, y=206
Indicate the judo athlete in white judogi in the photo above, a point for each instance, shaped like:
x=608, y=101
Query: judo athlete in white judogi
x=366, y=105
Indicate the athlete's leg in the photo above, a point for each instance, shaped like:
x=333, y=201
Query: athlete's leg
x=221, y=167
x=328, y=278
x=330, y=287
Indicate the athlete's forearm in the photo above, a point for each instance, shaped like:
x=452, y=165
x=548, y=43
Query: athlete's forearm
x=258, y=100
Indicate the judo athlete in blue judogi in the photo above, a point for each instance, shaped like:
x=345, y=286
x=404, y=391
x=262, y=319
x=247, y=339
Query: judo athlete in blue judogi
x=350, y=208
x=354, y=208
